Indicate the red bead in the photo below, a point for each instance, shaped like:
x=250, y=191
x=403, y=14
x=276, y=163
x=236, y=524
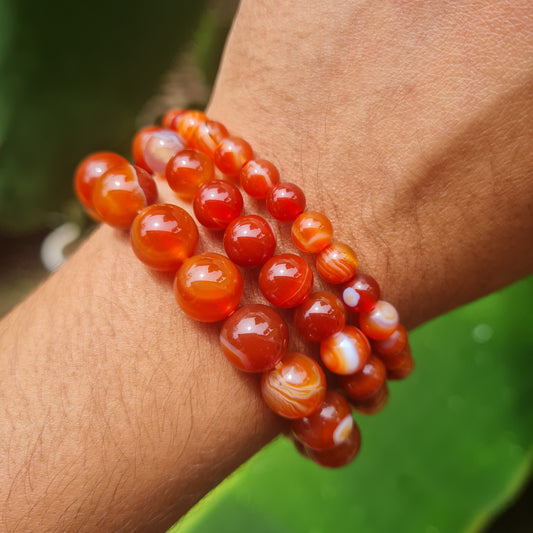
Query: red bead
x=139, y=144
x=379, y=323
x=286, y=280
x=171, y=118
x=320, y=316
x=254, y=338
x=399, y=366
x=208, y=287
x=367, y=381
x=187, y=171
x=187, y=123
x=207, y=136
x=249, y=241
x=328, y=426
x=121, y=192
x=232, y=154
x=391, y=345
x=346, y=351
x=258, y=176
x=373, y=404
x=285, y=201
x=217, y=203
x=88, y=171
x=336, y=263
x=295, y=387
x=160, y=147
x=163, y=236
x=311, y=232
x=361, y=293
x=340, y=455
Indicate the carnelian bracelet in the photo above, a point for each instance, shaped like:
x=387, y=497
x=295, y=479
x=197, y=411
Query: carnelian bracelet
x=190, y=151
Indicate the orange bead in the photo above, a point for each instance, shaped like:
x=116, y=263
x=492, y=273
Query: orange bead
x=399, y=366
x=391, y=345
x=163, y=236
x=208, y=287
x=258, y=176
x=367, y=381
x=379, y=323
x=188, y=122
x=171, y=117
x=295, y=387
x=336, y=263
x=139, y=143
x=311, y=232
x=187, y=171
x=346, y=351
x=232, y=154
x=372, y=404
x=207, y=136
x=340, y=455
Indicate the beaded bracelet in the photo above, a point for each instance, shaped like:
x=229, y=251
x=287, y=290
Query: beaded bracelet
x=189, y=150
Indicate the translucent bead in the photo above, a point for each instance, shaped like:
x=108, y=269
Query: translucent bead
x=336, y=263
x=285, y=201
x=286, y=280
x=139, y=144
x=367, y=381
x=121, y=192
x=216, y=203
x=249, y=241
x=171, y=118
x=163, y=236
x=187, y=123
x=160, y=147
x=311, y=232
x=254, y=338
x=207, y=136
x=372, y=404
x=208, y=287
x=232, y=154
x=295, y=387
x=391, y=345
x=258, y=176
x=320, y=316
x=329, y=426
x=187, y=171
x=340, y=455
x=346, y=351
x=399, y=366
x=361, y=293
x=379, y=323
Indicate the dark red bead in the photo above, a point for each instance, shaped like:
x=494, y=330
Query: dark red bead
x=367, y=381
x=285, y=201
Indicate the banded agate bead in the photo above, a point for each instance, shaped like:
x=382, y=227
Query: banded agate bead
x=139, y=144
x=258, y=176
x=311, y=232
x=372, y=404
x=367, y=381
x=361, y=293
x=336, y=263
x=346, y=351
x=254, y=338
x=285, y=201
x=187, y=123
x=121, y=192
x=207, y=136
x=187, y=171
x=295, y=387
x=329, y=426
x=216, y=203
x=163, y=236
x=286, y=280
x=340, y=455
x=208, y=287
x=399, y=366
x=171, y=118
x=381, y=322
x=161, y=145
x=232, y=154
x=391, y=345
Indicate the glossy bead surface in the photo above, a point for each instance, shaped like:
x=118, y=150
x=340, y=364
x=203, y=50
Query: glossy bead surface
x=139, y=144
x=361, y=293
x=208, y=287
x=346, y=351
x=372, y=404
x=249, y=241
x=285, y=201
x=171, y=118
x=391, y=345
x=340, y=455
x=254, y=338
x=399, y=366
x=286, y=280
x=163, y=236
x=295, y=387
x=88, y=171
x=329, y=426
x=207, y=136
x=187, y=171
x=367, y=381
x=320, y=316
x=160, y=147
x=258, y=176
x=381, y=322
x=121, y=192
x=216, y=203
x=187, y=123
x=336, y=263
x=311, y=232
x=231, y=154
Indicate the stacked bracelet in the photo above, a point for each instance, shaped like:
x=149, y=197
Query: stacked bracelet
x=189, y=151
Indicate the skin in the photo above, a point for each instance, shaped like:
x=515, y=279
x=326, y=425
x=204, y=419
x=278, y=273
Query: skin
x=407, y=123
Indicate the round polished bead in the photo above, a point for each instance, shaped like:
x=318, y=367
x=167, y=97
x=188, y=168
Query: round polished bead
x=373, y=404
x=340, y=455
x=258, y=176
x=311, y=232
x=208, y=287
x=187, y=123
x=121, y=192
x=361, y=293
x=329, y=426
x=285, y=201
x=320, y=316
x=249, y=241
x=346, y=351
x=216, y=203
x=207, y=136
x=139, y=144
x=381, y=322
x=160, y=147
x=254, y=338
x=367, y=381
x=286, y=280
x=399, y=366
x=163, y=236
x=187, y=171
x=171, y=118
x=232, y=154
x=88, y=171
x=336, y=263
x=295, y=387
x=391, y=345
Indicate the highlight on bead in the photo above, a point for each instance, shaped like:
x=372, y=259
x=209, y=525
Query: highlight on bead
x=345, y=352
x=311, y=232
x=381, y=322
x=336, y=263
x=361, y=293
x=257, y=177
x=231, y=154
x=216, y=203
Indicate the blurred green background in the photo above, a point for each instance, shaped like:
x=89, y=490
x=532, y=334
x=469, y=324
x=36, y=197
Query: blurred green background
x=454, y=446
